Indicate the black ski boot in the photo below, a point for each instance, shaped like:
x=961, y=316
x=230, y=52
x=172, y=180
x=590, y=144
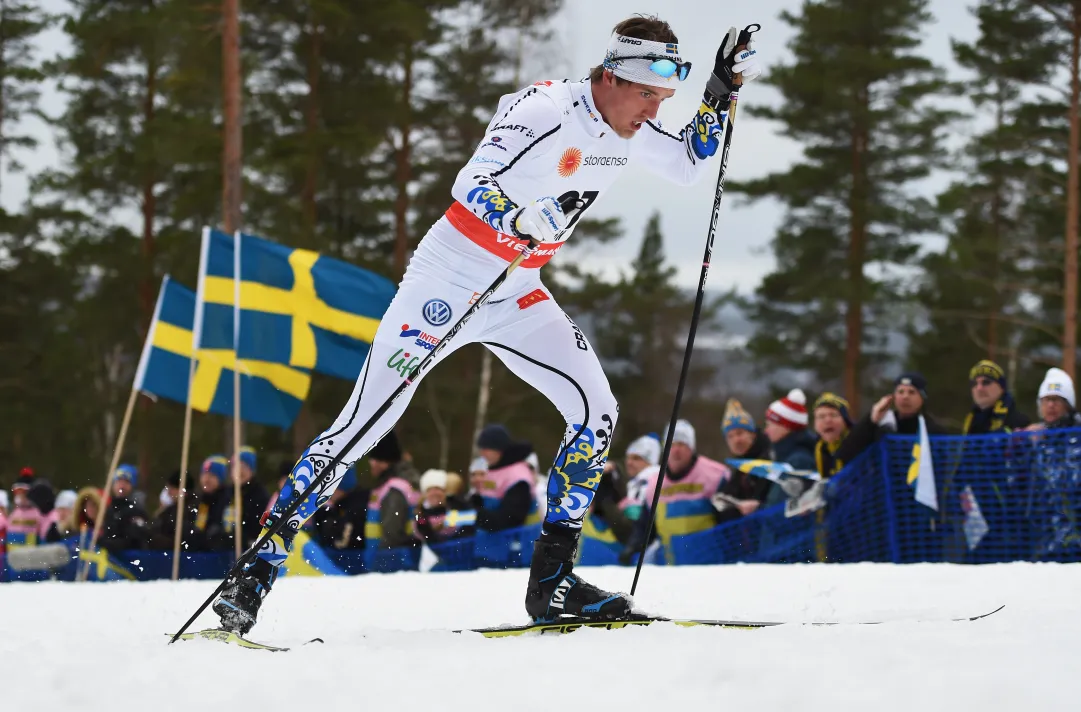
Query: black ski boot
x=239, y=603
x=554, y=591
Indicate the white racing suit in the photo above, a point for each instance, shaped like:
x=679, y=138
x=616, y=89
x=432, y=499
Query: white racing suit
x=546, y=140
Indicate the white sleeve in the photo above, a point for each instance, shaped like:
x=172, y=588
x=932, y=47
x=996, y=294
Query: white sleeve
x=681, y=157
x=523, y=128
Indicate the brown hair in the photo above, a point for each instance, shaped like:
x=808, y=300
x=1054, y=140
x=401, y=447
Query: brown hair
x=642, y=27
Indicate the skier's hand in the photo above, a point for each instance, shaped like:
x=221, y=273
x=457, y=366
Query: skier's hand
x=543, y=220
x=731, y=69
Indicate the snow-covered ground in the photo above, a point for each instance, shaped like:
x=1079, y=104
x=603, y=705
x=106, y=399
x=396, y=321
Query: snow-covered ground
x=102, y=646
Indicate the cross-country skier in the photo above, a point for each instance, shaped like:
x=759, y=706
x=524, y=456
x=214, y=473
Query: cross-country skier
x=554, y=142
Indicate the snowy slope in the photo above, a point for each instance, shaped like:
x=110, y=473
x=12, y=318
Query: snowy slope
x=101, y=646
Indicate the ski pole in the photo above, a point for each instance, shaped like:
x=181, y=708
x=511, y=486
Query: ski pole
x=569, y=203
x=742, y=40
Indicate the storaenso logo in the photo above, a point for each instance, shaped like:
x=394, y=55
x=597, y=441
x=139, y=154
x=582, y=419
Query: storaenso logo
x=605, y=161
x=629, y=40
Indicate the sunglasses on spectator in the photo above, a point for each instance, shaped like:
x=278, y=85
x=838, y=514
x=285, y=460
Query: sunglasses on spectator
x=982, y=382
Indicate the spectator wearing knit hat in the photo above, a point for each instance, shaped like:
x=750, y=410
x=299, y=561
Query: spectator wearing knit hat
x=743, y=438
x=832, y=423
x=993, y=409
x=898, y=412
x=686, y=503
x=25, y=518
x=213, y=499
x=441, y=516
x=392, y=503
x=503, y=496
x=127, y=526
x=1056, y=402
x=786, y=428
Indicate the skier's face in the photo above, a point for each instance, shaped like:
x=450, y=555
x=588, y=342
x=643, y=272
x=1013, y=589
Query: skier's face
x=626, y=106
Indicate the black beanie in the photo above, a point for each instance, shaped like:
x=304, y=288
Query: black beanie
x=494, y=437
x=387, y=449
x=914, y=379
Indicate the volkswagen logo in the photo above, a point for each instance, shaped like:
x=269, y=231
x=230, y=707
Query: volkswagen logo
x=436, y=312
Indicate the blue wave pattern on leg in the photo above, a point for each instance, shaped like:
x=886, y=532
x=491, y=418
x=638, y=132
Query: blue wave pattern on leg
x=576, y=473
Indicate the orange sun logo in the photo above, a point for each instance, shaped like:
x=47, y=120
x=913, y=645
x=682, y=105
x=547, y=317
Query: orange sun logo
x=569, y=162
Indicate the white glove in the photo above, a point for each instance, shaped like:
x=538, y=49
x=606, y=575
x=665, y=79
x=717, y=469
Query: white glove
x=727, y=65
x=543, y=220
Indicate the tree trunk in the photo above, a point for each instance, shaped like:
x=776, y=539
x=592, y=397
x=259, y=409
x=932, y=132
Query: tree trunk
x=231, y=158
x=995, y=307
x=1069, y=330
x=402, y=170
x=311, y=128
x=147, y=290
x=3, y=78
x=857, y=255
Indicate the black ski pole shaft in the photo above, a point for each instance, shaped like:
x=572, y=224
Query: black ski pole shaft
x=328, y=470
x=744, y=38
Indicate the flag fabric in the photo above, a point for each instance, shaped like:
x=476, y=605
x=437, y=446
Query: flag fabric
x=308, y=559
x=770, y=470
x=975, y=525
x=922, y=470
x=271, y=394
x=297, y=307
x=103, y=567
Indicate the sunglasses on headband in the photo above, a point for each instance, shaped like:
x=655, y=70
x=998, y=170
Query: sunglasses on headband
x=665, y=67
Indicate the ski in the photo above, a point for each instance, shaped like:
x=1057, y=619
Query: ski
x=569, y=625
x=225, y=636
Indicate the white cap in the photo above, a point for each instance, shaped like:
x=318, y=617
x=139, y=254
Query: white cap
x=684, y=434
x=4, y=499
x=1057, y=383
x=433, y=478
x=533, y=462
x=65, y=499
x=647, y=447
x=479, y=464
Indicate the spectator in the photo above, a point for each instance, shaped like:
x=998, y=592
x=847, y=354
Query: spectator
x=58, y=520
x=641, y=462
x=340, y=523
x=1056, y=473
x=742, y=494
x=43, y=496
x=213, y=500
x=685, y=506
x=253, y=498
x=899, y=412
x=84, y=515
x=163, y=526
x=392, y=501
x=832, y=424
x=786, y=429
x=503, y=497
x=1055, y=402
x=126, y=524
x=742, y=437
x=25, y=519
x=3, y=528
x=440, y=516
x=993, y=409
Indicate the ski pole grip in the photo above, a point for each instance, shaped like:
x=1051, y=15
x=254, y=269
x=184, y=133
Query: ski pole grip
x=741, y=44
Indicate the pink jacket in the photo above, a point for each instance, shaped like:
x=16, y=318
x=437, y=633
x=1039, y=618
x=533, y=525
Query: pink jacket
x=24, y=524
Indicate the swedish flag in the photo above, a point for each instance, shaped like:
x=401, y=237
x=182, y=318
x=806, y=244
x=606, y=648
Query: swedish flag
x=298, y=308
x=104, y=567
x=270, y=393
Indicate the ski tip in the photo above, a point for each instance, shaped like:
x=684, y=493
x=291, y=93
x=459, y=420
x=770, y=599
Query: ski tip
x=988, y=614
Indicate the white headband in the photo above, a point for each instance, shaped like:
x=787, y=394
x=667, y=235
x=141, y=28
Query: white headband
x=637, y=70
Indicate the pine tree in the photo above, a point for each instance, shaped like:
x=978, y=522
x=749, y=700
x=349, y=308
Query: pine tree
x=20, y=77
x=975, y=290
x=860, y=101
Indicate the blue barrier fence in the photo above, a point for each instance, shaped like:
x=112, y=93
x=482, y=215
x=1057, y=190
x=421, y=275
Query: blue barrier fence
x=1013, y=497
